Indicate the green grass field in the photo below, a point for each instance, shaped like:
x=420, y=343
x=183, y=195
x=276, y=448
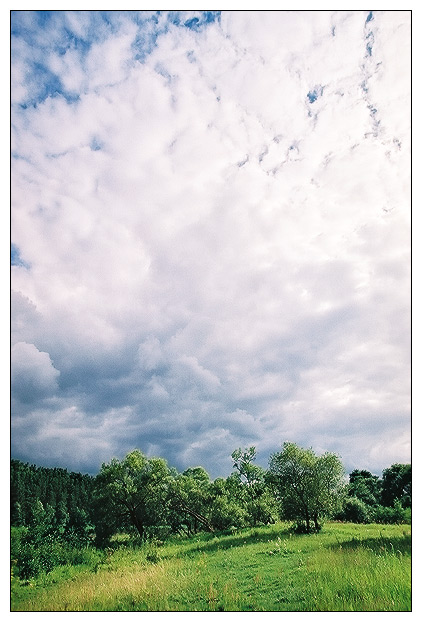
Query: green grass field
x=346, y=567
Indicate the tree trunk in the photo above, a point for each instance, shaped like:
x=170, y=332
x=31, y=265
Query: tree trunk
x=308, y=523
x=201, y=519
x=137, y=523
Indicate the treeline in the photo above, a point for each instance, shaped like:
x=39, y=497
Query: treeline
x=57, y=516
x=66, y=493
x=373, y=499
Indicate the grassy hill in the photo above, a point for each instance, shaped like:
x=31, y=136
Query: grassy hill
x=346, y=567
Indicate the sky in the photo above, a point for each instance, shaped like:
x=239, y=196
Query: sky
x=210, y=236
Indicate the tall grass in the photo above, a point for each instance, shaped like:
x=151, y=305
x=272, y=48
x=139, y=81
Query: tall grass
x=361, y=576
x=344, y=568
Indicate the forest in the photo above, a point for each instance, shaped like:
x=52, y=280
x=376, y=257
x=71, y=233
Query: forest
x=59, y=517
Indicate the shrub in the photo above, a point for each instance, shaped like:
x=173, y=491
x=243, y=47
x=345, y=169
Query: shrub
x=226, y=513
x=32, y=559
x=391, y=515
x=354, y=511
x=32, y=556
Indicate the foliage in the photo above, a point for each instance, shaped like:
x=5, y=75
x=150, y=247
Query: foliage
x=189, y=501
x=397, y=485
x=226, y=509
x=386, y=500
x=144, y=493
x=391, y=515
x=133, y=491
x=354, y=510
x=256, y=495
x=308, y=487
x=365, y=486
x=251, y=474
x=56, y=515
x=59, y=489
x=46, y=543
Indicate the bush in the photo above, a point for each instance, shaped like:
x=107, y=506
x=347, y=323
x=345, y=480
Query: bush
x=32, y=559
x=226, y=513
x=262, y=510
x=32, y=556
x=391, y=515
x=354, y=511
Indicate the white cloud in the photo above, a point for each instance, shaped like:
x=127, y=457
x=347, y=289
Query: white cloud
x=209, y=253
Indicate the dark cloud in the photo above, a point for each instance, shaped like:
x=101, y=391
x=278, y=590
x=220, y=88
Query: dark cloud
x=33, y=374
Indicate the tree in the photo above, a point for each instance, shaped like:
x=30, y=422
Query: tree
x=308, y=487
x=243, y=462
x=190, y=500
x=52, y=486
x=255, y=493
x=133, y=490
x=354, y=510
x=364, y=486
x=227, y=507
x=396, y=485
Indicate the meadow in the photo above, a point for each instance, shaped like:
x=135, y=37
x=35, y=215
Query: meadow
x=345, y=567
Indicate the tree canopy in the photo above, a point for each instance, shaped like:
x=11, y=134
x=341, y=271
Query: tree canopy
x=396, y=485
x=134, y=490
x=308, y=486
x=146, y=496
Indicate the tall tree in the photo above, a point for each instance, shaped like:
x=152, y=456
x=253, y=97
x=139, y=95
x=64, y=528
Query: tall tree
x=308, y=486
x=243, y=462
x=52, y=486
x=255, y=492
x=134, y=490
x=365, y=486
x=396, y=485
x=190, y=500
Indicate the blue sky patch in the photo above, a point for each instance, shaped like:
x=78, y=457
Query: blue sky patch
x=369, y=43
x=48, y=84
x=144, y=44
x=95, y=144
x=202, y=20
x=314, y=94
x=49, y=32
x=15, y=257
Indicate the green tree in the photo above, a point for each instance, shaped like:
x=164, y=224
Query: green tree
x=190, y=501
x=396, y=485
x=250, y=473
x=254, y=491
x=62, y=518
x=354, y=510
x=364, y=486
x=42, y=524
x=133, y=491
x=53, y=487
x=227, y=505
x=309, y=487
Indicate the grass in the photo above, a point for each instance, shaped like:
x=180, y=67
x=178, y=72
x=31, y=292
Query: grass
x=346, y=567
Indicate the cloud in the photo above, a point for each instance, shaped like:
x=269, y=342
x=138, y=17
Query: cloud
x=210, y=217
x=33, y=373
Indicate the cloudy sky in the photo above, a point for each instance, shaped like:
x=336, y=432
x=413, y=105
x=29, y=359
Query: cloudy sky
x=210, y=233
